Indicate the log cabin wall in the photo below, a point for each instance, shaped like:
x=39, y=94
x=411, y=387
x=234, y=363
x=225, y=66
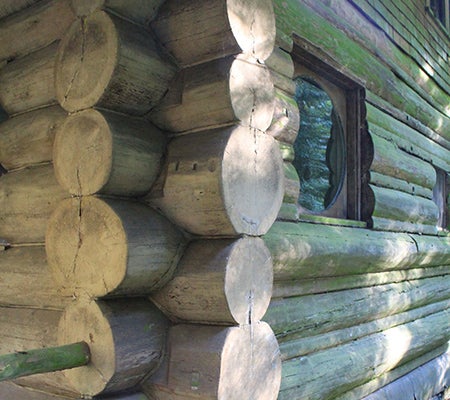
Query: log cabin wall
x=147, y=147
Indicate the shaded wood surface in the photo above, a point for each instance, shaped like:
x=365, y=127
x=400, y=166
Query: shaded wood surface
x=9, y=7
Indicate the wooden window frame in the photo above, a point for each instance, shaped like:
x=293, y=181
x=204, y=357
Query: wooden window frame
x=445, y=24
x=350, y=202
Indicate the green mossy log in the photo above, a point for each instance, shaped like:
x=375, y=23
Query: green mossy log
x=332, y=372
x=389, y=182
x=39, y=361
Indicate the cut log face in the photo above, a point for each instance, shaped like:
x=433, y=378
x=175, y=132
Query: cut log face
x=195, y=32
x=27, y=199
x=233, y=186
x=210, y=362
x=27, y=83
x=103, y=152
x=102, y=247
x=27, y=139
x=233, y=89
x=133, y=75
x=220, y=281
x=126, y=339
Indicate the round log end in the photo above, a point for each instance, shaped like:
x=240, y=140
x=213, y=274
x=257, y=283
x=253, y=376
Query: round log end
x=111, y=247
x=126, y=339
x=253, y=25
x=252, y=181
x=88, y=44
x=82, y=153
x=252, y=92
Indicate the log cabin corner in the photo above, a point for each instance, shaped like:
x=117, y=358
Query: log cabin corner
x=224, y=199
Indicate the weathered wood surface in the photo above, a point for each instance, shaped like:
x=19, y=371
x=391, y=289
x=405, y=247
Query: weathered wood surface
x=27, y=83
x=39, y=361
x=334, y=41
x=139, y=11
x=220, y=92
x=389, y=182
x=406, y=138
x=111, y=247
x=120, y=355
x=27, y=199
x=292, y=347
x=210, y=362
x=26, y=280
x=227, y=181
x=133, y=75
x=25, y=328
x=34, y=28
x=335, y=283
x=390, y=160
x=286, y=118
x=8, y=7
x=319, y=313
x=397, y=206
x=196, y=32
x=220, y=281
x=329, y=373
x=280, y=63
x=27, y=139
x=303, y=250
x=421, y=383
x=291, y=184
x=102, y=152
x=12, y=391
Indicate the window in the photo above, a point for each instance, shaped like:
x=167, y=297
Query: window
x=328, y=144
x=440, y=9
x=441, y=197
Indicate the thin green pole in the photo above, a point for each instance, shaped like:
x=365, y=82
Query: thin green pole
x=43, y=360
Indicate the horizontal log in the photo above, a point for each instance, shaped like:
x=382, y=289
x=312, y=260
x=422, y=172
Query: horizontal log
x=139, y=11
x=220, y=92
x=335, y=283
x=34, y=28
x=292, y=347
x=233, y=186
x=329, y=373
x=39, y=361
x=25, y=328
x=120, y=356
x=291, y=184
x=281, y=62
x=319, y=313
x=102, y=152
x=432, y=249
x=111, y=247
x=220, y=281
x=389, y=182
x=27, y=83
x=398, y=206
x=27, y=199
x=208, y=29
x=134, y=75
x=286, y=118
x=421, y=383
x=406, y=138
x=26, y=280
x=287, y=151
x=390, y=160
x=210, y=362
x=386, y=224
x=9, y=7
x=303, y=250
x=27, y=139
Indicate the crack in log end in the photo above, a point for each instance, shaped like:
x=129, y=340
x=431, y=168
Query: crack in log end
x=80, y=241
x=250, y=302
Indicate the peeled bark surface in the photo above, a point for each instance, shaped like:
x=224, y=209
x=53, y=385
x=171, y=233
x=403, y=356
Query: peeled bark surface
x=26, y=279
x=139, y=11
x=126, y=339
x=102, y=152
x=210, y=362
x=27, y=199
x=223, y=91
x=195, y=32
x=28, y=82
x=286, y=118
x=34, y=28
x=221, y=182
x=220, y=281
x=111, y=247
x=8, y=7
x=133, y=75
x=28, y=138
